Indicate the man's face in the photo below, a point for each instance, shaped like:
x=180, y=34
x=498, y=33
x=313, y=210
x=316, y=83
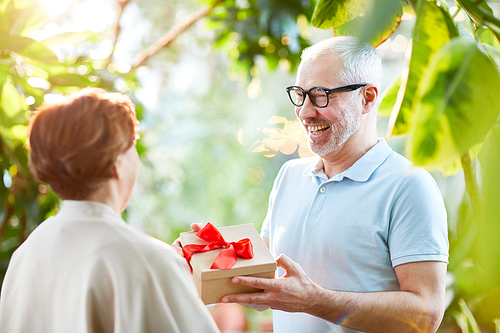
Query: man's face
x=330, y=127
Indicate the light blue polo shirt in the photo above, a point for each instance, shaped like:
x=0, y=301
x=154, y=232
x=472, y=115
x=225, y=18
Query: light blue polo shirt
x=349, y=231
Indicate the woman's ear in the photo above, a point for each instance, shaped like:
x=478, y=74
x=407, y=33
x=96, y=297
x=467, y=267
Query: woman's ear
x=117, y=166
x=370, y=95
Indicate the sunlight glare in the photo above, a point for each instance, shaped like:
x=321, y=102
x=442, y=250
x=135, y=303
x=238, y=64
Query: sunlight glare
x=55, y=7
x=37, y=82
x=53, y=98
x=75, y=15
x=104, y=50
x=30, y=100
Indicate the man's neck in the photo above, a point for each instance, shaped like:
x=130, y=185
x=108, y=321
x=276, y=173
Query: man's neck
x=347, y=154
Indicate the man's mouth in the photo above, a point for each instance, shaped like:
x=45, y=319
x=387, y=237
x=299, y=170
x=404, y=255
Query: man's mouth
x=318, y=129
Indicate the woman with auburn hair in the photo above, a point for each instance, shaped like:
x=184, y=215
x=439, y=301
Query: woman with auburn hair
x=84, y=269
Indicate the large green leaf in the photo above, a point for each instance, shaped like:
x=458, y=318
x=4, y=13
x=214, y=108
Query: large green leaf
x=456, y=104
x=378, y=22
x=486, y=245
x=432, y=30
x=332, y=13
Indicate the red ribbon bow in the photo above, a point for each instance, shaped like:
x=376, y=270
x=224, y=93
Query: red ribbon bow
x=227, y=257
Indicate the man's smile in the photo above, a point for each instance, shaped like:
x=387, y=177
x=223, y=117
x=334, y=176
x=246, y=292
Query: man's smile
x=317, y=129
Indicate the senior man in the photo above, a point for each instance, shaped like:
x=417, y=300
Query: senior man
x=360, y=232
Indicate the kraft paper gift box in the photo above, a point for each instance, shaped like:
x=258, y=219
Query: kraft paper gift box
x=213, y=284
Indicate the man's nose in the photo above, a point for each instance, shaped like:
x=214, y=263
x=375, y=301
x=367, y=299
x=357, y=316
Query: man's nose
x=307, y=110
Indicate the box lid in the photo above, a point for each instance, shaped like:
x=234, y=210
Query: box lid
x=201, y=262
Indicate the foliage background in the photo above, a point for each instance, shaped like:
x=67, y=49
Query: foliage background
x=208, y=78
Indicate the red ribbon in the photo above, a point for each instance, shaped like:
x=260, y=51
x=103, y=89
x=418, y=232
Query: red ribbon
x=227, y=257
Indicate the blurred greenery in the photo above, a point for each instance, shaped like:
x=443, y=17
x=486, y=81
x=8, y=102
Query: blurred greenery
x=214, y=116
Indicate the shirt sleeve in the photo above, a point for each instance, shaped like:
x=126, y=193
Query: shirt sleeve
x=418, y=229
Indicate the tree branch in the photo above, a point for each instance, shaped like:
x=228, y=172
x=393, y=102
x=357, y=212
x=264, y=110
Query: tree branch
x=117, y=28
x=171, y=35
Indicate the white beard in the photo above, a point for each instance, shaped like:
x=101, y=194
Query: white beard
x=341, y=130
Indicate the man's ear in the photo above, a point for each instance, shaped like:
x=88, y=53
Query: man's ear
x=370, y=95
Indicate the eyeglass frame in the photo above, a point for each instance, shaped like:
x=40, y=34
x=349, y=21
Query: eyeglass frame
x=349, y=87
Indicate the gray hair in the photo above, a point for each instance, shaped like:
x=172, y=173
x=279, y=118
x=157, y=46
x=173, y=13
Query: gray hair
x=360, y=61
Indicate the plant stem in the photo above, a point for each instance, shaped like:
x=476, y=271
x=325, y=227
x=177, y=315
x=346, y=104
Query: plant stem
x=471, y=186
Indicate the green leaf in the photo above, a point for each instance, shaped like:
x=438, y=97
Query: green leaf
x=69, y=79
x=11, y=101
x=27, y=47
x=14, y=43
x=72, y=38
x=486, y=36
x=466, y=320
x=379, y=20
x=493, y=53
x=409, y=7
x=455, y=106
x=44, y=70
x=430, y=33
x=28, y=19
x=487, y=254
x=332, y=13
x=454, y=166
x=388, y=98
x=3, y=6
x=4, y=74
x=488, y=308
x=19, y=17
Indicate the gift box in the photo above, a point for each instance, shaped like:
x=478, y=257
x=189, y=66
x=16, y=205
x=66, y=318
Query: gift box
x=213, y=284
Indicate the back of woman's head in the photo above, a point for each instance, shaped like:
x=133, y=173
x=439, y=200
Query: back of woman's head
x=75, y=142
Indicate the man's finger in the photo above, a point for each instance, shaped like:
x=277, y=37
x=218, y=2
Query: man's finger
x=288, y=264
x=259, y=283
x=248, y=299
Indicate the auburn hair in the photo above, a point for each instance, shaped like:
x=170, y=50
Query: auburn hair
x=74, y=142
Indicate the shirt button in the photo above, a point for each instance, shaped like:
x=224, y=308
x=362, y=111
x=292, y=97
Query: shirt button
x=322, y=189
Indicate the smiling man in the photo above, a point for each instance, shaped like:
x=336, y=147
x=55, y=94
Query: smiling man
x=359, y=232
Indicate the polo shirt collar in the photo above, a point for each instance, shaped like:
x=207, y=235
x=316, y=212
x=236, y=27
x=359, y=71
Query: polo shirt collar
x=362, y=169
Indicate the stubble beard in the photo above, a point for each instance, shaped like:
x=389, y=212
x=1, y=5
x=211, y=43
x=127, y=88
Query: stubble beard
x=348, y=123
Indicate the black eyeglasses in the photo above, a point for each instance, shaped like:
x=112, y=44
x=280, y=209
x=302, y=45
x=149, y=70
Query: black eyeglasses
x=319, y=96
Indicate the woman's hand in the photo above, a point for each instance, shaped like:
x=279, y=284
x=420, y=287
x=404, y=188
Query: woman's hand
x=177, y=243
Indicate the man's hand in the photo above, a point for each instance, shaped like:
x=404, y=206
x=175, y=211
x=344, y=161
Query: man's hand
x=293, y=292
x=417, y=307
x=176, y=245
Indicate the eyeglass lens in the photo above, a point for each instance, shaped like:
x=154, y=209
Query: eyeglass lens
x=317, y=95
